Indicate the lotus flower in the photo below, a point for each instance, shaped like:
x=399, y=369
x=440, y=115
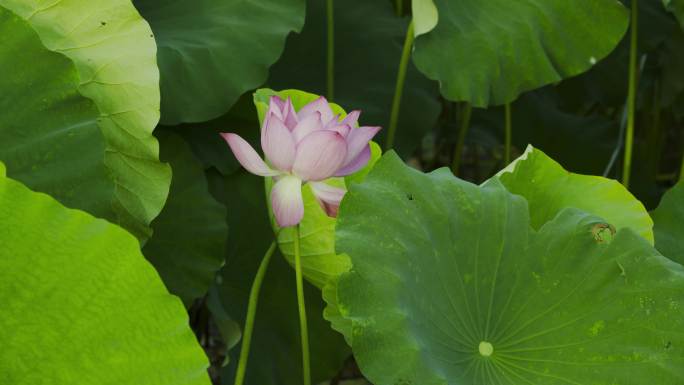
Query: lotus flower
x=308, y=146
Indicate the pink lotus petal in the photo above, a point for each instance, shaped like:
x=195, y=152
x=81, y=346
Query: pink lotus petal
x=321, y=105
x=275, y=106
x=306, y=126
x=287, y=202
x=332, y=122
x=352, y=118
x=247, y=156
x=328, y=197
x=319, y=155
x=278, y=144
x=341, y=129
x=357, y=141
x=357, y=163
x=269, y=115
x=289, y=115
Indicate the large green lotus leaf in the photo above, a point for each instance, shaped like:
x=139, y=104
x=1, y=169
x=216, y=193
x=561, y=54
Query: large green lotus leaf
x=317, y=229
x=211, y=52
x=549, y=188
x=451, y=285
x=677, y=8
x=114, y=52
x=275, y=356
x=489, y=52
x=48, y=132
x=80, y=303
x=189, y=240
x=668, y=221
x=368, y=46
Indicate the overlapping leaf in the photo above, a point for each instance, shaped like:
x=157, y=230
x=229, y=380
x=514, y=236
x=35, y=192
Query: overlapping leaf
x=549, y=188
x=48, y=132
x=80, y=303
x=189, y=240
x=451, y=285
x=114, y=52
x=488, y=52
x=211, y=52
x=669, y=224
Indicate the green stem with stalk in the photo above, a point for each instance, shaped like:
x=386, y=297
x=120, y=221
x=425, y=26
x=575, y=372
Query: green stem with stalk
x=330, y=78
x=631, y=97
x=306, y=362
x=251, y=314
x=399, y=88
x=462, y=133
x=508, y=128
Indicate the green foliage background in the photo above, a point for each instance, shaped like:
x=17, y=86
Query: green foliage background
x=113, y=108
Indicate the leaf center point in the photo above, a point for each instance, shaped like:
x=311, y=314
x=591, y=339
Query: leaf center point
x=486, y=349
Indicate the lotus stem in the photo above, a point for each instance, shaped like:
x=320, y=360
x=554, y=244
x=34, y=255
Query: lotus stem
x=251, y=313
x=399, y=7
x=330, y=78
x=304, y=331
x=399, y=89
x=509, y=135
x=462, y=133
x=623, y=125
x=631, y=97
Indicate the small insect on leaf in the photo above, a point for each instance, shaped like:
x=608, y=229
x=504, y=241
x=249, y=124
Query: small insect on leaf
x=603, y=232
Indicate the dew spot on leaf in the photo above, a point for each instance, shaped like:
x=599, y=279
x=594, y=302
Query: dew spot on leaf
x=597, y=327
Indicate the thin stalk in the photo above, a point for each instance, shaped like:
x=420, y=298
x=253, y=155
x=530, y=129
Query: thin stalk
x=251, y=313
x=331, y=51
x=656, y=110
x=631, y=97
x=303, y=328
x=399, y=89
x=462, y=133
x=509, y=135
x=623, y=125
x=399, y=7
